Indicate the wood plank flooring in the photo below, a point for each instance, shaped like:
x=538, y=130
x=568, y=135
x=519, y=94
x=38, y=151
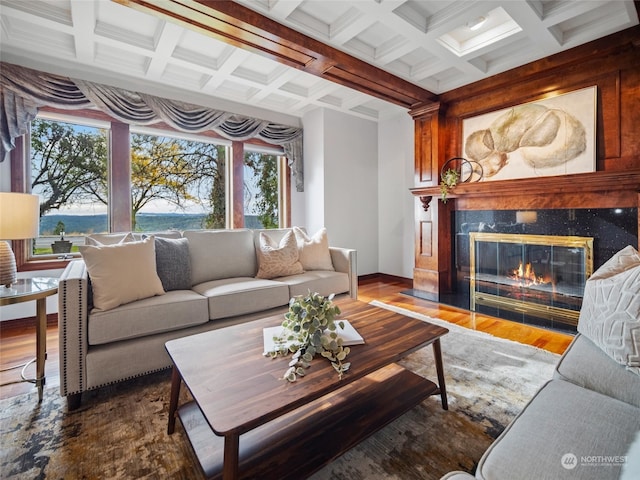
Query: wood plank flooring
x=18, y=344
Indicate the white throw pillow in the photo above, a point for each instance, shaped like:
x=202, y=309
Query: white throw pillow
x=122, y=273
x=610, y=313
x=98, y=239
x=278, y=260
x=314, y=251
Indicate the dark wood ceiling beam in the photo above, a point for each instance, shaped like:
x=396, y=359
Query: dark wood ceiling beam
x=242, y=27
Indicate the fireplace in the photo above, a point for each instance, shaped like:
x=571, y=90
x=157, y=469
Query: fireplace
x=541, y=276
x=611, y=229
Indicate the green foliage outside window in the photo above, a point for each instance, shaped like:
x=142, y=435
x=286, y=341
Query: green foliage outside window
x=69, y=165
x=265, y=168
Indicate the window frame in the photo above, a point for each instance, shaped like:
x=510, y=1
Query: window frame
x=119, y=174
x=284, y=183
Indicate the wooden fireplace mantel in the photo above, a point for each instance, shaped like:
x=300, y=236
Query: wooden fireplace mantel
x=604, y=189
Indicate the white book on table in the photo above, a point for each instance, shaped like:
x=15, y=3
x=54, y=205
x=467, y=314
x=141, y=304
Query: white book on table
x=349, y=335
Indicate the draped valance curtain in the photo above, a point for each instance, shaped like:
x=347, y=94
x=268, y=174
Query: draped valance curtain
x=23, y=91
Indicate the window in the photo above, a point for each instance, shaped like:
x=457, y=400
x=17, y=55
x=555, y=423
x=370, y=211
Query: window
x=69, y=173
x=79, y=166
x=177, y=183
x=262, y=200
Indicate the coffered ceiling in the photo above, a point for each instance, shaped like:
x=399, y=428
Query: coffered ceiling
x=437, y=45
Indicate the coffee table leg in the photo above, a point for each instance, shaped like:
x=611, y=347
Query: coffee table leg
x=231, y=450
x=437, y=353
x=176, y=381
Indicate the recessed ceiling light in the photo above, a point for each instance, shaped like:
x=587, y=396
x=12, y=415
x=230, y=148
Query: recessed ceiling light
x=477, y=23
x=496, y=25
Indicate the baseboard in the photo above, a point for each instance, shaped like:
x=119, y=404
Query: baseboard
x=27, y=322
x=385, y=277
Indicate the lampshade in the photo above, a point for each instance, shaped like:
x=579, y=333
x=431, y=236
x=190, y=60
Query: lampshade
x=19, y=216
x=19, y=219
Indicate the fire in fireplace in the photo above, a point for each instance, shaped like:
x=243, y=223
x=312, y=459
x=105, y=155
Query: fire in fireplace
x=526, y=276
x=539, y=275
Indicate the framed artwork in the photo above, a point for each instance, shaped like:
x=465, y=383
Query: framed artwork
x=553, y=136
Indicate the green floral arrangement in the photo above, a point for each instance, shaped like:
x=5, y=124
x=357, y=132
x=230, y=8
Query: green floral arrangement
x=310, y=328
x=448, y=179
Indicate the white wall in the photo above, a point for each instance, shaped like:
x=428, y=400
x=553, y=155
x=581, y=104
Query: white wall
x=341, y=182
x=307, y=208
x=395, y=202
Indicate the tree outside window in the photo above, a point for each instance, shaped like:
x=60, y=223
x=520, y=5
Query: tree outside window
x=176, y=183
x=261, y=190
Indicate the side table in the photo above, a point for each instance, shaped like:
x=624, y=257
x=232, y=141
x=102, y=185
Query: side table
x=24, y=290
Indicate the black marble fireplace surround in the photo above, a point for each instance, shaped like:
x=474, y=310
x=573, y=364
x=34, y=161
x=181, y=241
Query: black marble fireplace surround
x=611, y=229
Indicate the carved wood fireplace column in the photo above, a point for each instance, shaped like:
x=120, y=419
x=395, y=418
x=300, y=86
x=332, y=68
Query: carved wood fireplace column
x=432, y=264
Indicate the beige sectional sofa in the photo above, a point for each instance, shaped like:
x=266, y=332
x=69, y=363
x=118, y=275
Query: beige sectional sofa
x=584, y=423
x=208, y=279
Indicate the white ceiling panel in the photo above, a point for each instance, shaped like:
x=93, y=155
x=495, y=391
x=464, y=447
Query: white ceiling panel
x=427, y=42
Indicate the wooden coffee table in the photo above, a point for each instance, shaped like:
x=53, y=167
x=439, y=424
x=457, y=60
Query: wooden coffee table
x=246, y=422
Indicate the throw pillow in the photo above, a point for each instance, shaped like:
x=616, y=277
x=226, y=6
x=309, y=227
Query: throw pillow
x=122, y=273
x=173, y=263
x=278, y=260
x=314, y=251
x=98, y=239
x=610, y=313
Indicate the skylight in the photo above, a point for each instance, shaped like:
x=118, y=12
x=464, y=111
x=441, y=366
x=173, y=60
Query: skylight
x=480, y=32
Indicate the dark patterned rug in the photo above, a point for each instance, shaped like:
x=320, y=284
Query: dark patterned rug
x=120, y=431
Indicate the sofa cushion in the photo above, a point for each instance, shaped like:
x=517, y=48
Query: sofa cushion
x=219, y=254
x=314, y=251
x=586, y=365
x=97, y=239
x=173, y=263
x=277, y=259
x=173, y=311
x=321, y=281
x=276, y=234
x=610, y=313
x=236, y=296
x=560, y=434
x=122, y=273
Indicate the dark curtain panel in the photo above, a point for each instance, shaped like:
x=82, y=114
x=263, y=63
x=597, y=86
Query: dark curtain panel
x=23, y=91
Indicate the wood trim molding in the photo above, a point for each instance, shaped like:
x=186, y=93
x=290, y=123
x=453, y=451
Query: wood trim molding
x=605, y=182
x=242, y=27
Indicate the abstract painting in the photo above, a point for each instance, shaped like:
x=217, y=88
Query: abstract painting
x=553, y=136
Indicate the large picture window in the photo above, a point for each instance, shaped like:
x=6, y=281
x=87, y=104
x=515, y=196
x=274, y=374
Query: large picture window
x=69, y=174
x=177, y=181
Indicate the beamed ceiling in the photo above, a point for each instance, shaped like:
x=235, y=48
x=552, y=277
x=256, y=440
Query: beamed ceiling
x=291, y=56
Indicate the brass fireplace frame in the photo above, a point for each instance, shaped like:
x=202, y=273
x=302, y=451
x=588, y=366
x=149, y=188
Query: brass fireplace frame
x=547, y=312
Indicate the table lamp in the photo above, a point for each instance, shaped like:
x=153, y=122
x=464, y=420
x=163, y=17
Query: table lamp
x=19, y=220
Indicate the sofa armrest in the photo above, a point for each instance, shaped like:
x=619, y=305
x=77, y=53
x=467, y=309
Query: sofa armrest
x=345, y=260
x=458, y=476
x=73, y=299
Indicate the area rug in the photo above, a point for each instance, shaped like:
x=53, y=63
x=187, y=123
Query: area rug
x=120, y=431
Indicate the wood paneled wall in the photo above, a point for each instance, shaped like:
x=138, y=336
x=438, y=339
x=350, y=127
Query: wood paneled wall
x=611, y=63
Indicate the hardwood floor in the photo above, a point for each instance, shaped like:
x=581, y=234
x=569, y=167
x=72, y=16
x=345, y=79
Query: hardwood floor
x=17, y=343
